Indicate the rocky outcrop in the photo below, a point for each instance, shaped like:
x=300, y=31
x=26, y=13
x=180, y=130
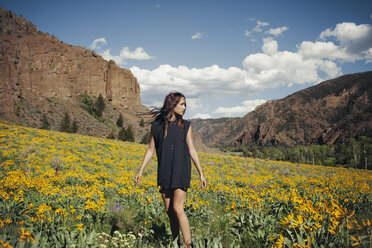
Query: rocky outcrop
x=35, y=64
x=328, y=113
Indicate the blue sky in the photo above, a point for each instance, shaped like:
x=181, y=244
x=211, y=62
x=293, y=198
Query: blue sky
x=226, y=56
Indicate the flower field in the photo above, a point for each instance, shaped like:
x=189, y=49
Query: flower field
x=66, y=190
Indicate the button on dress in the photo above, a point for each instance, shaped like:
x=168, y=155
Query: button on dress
x=174, y=163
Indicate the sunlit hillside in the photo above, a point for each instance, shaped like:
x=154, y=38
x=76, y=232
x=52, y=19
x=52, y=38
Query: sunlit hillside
x=68, y=190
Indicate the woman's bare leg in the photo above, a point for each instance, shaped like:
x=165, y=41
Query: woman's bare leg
x=179, y=198
x=173, y=220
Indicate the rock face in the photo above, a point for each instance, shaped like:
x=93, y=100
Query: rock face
x=330, y=112
x=35, y=64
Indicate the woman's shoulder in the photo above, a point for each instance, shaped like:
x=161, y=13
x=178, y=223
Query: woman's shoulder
x=186, y=124
x=156, y=124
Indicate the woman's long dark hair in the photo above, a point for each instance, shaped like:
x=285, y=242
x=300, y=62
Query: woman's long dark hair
x=165, y=113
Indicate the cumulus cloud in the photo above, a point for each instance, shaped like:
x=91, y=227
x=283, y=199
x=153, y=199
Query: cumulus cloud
x=368, y=55
x=125, y=53
x=270, y=69
x=197, y=36
x=193, y=80
x=312, y=62
x=322, y=50
x=277, y=31
x=354, y=39
x=98, y=43
x=270, y=46
x=347, y=42
x=246, y=107
x=275, y=68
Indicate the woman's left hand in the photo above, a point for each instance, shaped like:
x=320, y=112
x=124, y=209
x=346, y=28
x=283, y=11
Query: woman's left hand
x=203, y=182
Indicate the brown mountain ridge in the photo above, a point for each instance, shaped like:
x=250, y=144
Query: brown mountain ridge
x=327, y=113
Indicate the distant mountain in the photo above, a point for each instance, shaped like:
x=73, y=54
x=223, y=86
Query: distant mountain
x=327, y=113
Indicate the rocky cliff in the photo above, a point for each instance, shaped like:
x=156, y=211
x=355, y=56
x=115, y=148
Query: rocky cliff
x=35, y=64
x=330, y=112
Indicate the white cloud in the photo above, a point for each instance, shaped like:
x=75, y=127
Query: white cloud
x=202, y=116
x=323, y=50
x=277, y=31
x=259, y=25
x=280, y=68
x=125, y=53
x=262, y=24
x=354, y=42
x=270, y=69
x=368, y=55
x=251, y=19
x=195, y=81
x=347, y=31
x=197, y=36
x=270, y=46
x=246, y=107
x=312, y=62
x=157, y=6
x=138, y=54
x=247, y=33
x=355, y=39
x=98, y=43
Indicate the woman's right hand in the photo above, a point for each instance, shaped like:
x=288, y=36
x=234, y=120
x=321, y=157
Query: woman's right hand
x=137, y=178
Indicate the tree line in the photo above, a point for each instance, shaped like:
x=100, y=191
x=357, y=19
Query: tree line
x=356, y=153
x=95, y=108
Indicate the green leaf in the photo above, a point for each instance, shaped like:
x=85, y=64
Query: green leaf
x=37, y=238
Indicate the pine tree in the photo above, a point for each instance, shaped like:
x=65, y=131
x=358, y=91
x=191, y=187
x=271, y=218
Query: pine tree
x=122, y=134
x=146, y=138
x=119, y=122
x=111, y=135
x=66, y=123
x=129, y=134
x=88, y=102
x=142, y=123
x=74, y=126
x=45, y=123
x=99, y=105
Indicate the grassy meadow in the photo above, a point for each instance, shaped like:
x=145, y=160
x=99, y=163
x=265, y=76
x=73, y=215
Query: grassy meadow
x=69, y=190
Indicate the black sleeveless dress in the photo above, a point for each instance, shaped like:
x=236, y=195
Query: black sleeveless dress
x=174, y=163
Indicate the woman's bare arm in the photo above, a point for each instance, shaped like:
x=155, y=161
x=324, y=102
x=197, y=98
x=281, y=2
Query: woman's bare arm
x=194, y=156
x=146, y=158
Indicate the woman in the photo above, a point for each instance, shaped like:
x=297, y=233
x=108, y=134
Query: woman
x=171, y=136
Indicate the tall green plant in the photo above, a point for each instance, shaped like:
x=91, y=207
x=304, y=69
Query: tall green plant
x=65, y=125
x=45, y=123
x=99, y=105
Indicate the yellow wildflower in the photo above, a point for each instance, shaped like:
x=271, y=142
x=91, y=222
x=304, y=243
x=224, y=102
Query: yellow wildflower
x=80, y=226
x=25, y=235
x=5, y=245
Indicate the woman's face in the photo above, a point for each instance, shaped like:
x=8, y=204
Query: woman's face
x=180, y=107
